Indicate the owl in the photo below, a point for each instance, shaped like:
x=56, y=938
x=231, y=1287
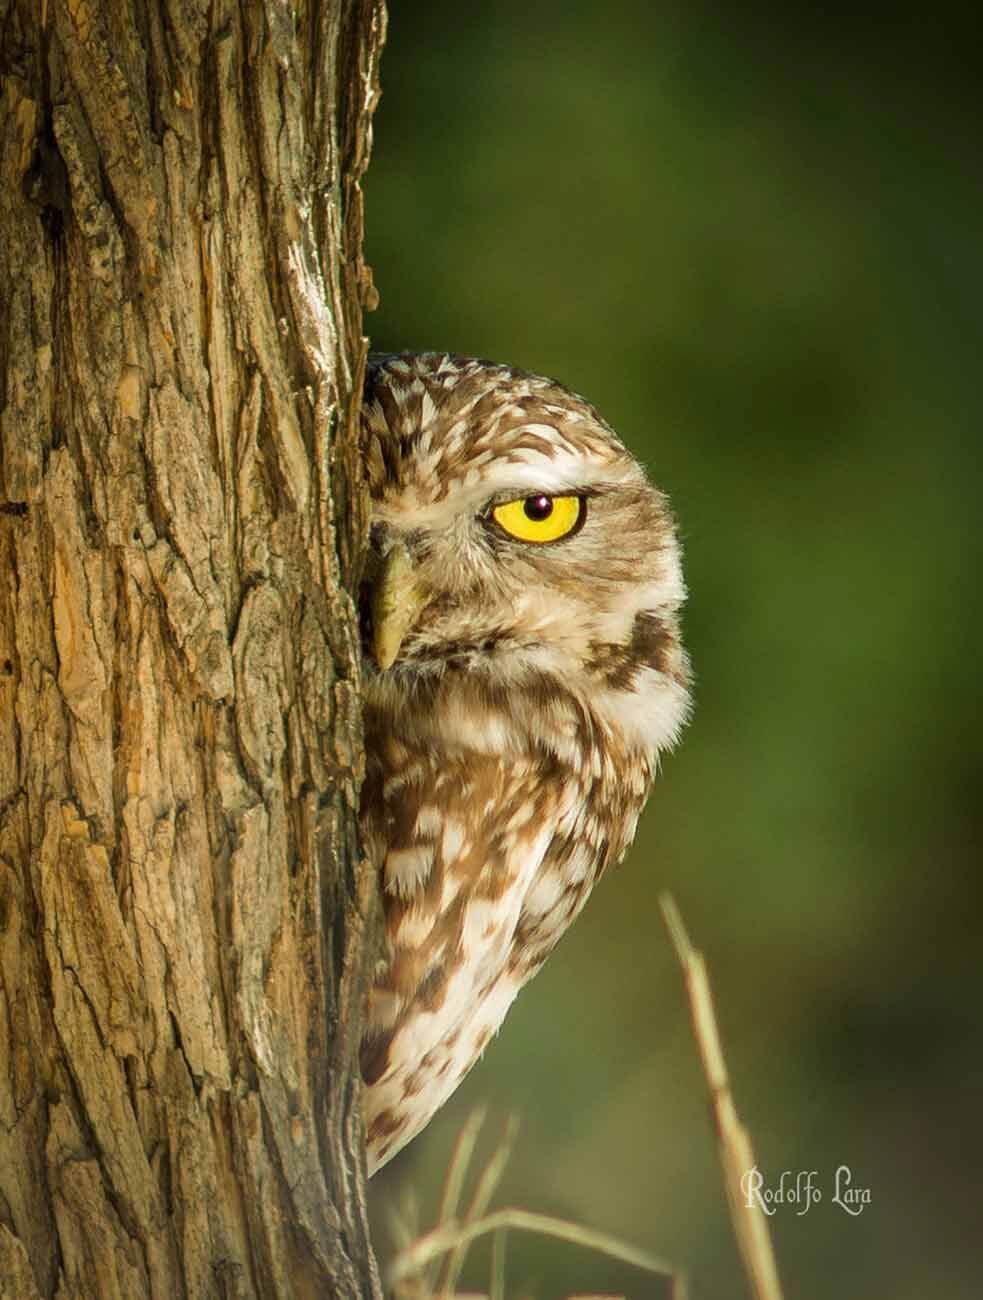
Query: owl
x=524, y=671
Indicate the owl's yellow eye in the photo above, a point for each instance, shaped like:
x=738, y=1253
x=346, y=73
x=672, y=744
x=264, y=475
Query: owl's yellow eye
x=540, y=518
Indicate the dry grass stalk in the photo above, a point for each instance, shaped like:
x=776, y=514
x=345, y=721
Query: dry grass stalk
x=412, y=1273
x=733, y=1141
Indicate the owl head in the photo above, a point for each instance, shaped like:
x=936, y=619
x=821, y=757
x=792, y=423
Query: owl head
x=517, y=546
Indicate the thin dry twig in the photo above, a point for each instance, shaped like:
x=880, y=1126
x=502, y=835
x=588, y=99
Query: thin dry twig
x=457, y=1171
x=733, y=1140
x=451, y=1235
x=496, y=1290
x=411, y=1273
x=485, y=1189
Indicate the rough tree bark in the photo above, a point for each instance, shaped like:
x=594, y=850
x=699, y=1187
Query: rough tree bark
x=185, y=921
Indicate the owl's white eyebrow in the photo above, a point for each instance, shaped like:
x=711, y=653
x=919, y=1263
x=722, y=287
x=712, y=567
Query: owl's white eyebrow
x=540, y=474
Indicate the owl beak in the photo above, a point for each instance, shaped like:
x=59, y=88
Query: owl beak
x=397, y=601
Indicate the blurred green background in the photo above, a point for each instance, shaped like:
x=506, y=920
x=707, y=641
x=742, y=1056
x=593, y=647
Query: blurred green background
x=753, y=239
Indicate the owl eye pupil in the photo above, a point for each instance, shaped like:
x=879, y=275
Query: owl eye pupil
x=538, y=508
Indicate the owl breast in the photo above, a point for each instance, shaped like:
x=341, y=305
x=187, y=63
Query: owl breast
x=485, y=863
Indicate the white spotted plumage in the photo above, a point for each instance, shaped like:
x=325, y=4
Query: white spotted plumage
x=514, y=730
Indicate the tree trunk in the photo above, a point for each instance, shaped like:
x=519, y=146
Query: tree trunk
x=186, y=923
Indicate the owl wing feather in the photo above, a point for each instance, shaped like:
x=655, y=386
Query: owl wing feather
x=456, y=883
